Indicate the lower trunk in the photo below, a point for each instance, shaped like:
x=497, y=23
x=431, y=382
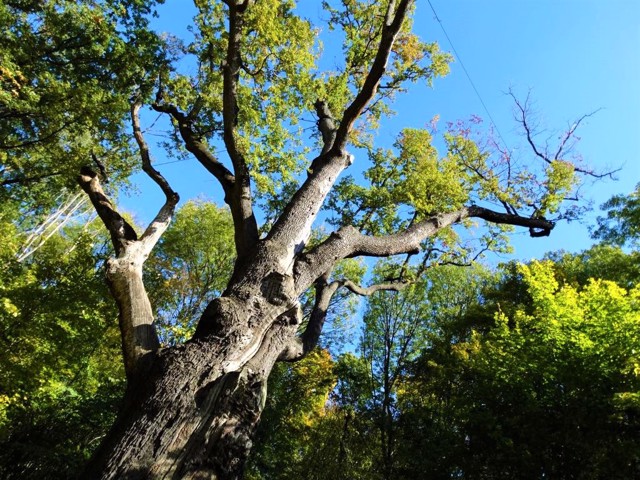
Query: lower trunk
x=189, y=418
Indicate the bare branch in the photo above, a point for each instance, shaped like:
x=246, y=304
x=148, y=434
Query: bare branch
x=569, y=133
x=160, y=223
x=522, y=119
x=145, y=155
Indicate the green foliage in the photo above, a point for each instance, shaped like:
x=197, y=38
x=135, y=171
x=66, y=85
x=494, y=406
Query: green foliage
x=527, y=378
x=313, y=427
x=414, y=178
x=548, y=391
x=61, y=376
x=276, y=86
x=295, y=406
x=412, y=60
x=414, y=181
x=604, y=262
x=560, y=180
x=528, y=373
x=67, y=70
x=431, y=185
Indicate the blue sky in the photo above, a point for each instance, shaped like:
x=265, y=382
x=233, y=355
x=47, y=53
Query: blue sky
x=576, y=56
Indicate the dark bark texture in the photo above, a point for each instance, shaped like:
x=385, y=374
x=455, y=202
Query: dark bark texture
x=188, y=418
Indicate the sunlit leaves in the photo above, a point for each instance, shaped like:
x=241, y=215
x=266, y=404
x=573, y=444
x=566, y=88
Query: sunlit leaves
x=412, y=60
x=432, y=185
x=68, y=69
x=276, y=86
x=559, y=183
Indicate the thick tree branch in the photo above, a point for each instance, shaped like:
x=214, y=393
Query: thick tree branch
x=293, y=227
x=349, y=242
x=300, y=346
x=124, y=276
x=247, y=235
x=370, y=290
x=326, y=125
x=245, y=224
x=324, y=292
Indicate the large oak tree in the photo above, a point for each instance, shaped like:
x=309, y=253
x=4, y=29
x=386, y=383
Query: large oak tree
x=75, y=79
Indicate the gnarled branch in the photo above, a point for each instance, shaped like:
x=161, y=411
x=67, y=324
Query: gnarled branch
x=124, y=276
x=349, y=242
x=371, y=289
x=245, y=225
x=326, y=125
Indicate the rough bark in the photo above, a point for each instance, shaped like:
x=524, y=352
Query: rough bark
x=193, y=414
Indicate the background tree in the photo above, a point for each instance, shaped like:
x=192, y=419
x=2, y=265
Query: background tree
x=548, y=389
x=190, y=266
x=397, y=328
x=61, y=380
x=622, y=224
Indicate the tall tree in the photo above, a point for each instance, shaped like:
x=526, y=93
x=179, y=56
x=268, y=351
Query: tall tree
x=398, y=328
x=191, y=409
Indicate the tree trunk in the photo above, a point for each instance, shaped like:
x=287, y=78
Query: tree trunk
x=190, y=418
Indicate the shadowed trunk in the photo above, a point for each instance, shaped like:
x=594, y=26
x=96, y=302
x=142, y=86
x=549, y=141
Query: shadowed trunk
x=191, y=418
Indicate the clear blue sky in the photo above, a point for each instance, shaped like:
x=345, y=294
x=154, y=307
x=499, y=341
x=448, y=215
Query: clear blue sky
x=576, y=56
